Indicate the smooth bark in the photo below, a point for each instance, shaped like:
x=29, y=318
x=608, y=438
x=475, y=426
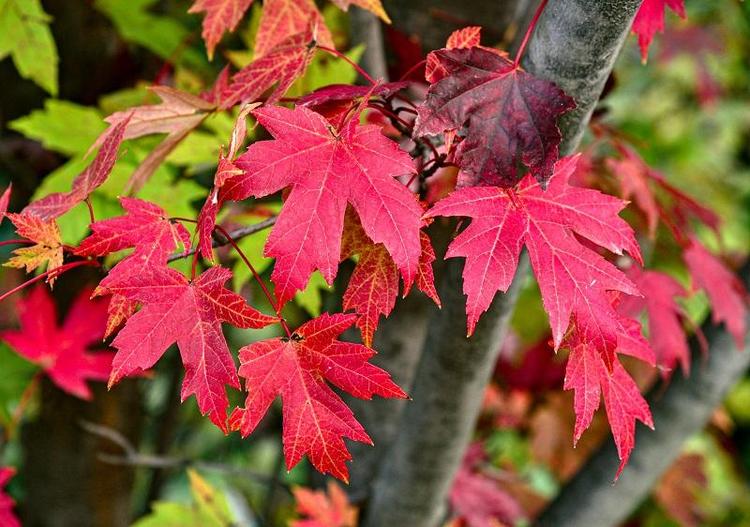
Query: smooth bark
x=447, y=395
x=590, y=499
x=365, y=28
x=575, y=45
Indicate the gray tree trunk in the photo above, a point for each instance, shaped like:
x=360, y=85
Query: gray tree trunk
x=575, y=45
x=436, y=426
x=590, y=499
x=365, y=29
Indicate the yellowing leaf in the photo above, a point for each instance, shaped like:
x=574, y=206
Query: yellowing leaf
x=47, y=248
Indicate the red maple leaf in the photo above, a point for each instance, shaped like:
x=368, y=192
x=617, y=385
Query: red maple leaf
x=633, y=176
x=57, y=204
x=221, y=16
x=650, y=20
x=509, y=115
x=276, y=71
x=144, y=226
x=62, y=351
x=591, y=378
x=725, y=291
x=477, y=499
x=190, y=314
x=373, y=287
x=573, y=279
x=282, y=19
x=7, y=517
x=326, y=169
x=665, y=317
x=315, y=419
x=324, y=510
x=225, y=170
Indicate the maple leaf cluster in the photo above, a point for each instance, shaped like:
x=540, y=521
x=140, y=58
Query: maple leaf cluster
x=347, y=194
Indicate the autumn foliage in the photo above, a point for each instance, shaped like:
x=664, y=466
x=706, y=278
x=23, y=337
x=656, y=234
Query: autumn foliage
x=355, y=169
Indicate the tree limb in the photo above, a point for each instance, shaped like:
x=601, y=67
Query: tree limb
x=590, y=499
x=575, y=45
x=447, y=395
x=365, y=29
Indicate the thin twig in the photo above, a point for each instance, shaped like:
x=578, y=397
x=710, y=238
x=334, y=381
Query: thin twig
x=236, y=235
x=131, y=457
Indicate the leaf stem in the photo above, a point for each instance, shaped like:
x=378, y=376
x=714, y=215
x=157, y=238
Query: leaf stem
x=52, y=273
x=353, y=64
x=412, y=70
x=271, y=299
x=529, y=32
x=87, y=201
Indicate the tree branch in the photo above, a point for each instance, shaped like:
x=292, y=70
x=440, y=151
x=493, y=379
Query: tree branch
x=590, y=499
x=575, y=45
x=131, y=457
x=365, y=29
x=437, y=425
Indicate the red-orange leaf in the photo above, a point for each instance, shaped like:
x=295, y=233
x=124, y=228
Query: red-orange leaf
x=275, y=71
x=62, y=351
x=316, y=420
x=374, y=6
x=374, y=284
x=326, y=169
x=190, y=314
x=57, y=204
x=324, y=510
x=724, y=289
x=282, y=19
x=221, y=16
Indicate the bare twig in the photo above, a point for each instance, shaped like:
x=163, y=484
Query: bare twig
x=131, y=457
x=236, y=235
